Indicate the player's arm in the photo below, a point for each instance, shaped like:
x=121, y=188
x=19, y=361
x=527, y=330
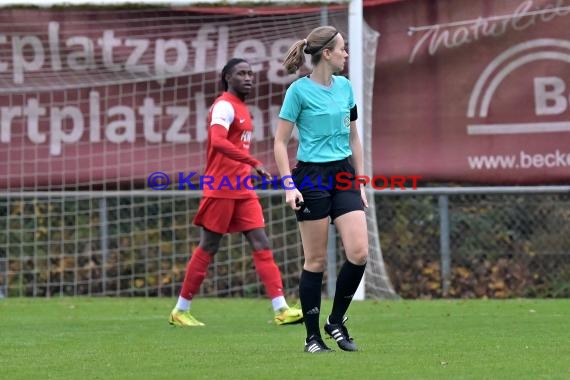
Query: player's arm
x=357, y=155
x=355, y=144
x=282, y=135
x=220, y=142
x=356, y=147
x=288, y=115
x=222, y=118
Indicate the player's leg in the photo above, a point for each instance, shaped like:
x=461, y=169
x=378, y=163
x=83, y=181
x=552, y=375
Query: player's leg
x=314, y=235
x=196, y=271
x=350, y=221
x=313, y=218
x=265, y=265
x=197, y=266
x=270, y=275
x=248, y=218
x=213, y=217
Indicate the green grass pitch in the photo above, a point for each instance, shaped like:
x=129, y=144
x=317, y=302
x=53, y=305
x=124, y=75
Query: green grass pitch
x=130, y=338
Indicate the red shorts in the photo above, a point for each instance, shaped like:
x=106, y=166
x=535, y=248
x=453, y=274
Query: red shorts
x=223, y=215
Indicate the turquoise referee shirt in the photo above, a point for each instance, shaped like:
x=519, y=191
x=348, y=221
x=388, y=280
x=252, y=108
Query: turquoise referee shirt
x=322, y=116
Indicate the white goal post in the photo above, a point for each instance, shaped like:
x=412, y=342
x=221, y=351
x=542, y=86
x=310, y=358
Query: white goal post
x=92, y=102
x=356, y=64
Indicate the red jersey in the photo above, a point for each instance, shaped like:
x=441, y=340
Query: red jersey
x=228, y=161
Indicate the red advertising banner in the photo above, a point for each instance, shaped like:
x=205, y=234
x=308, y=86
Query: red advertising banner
x=473, y=91
x=105, y=98
x=466, y=91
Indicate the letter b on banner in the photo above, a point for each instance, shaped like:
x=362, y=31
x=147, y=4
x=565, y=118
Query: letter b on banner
x=549, y=98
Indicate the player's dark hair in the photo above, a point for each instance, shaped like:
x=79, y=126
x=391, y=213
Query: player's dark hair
x=227, y=69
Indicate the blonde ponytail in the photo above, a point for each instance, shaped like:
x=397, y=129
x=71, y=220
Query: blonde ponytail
x=295, y=58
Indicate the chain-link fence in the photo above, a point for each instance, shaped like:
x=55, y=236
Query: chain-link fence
x=459, y=243
x=465, y=243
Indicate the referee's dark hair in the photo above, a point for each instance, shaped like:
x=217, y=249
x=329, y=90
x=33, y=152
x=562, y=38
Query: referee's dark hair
x=227, y=68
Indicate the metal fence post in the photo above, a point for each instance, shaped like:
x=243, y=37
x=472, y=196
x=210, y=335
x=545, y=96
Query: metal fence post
x=331, y=261
x=331, y=243
x=4, y=272
x=104, y=242
x=443, y=202
x=324, y=15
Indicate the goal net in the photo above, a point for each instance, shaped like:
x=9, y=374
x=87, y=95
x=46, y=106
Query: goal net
x=93, y=103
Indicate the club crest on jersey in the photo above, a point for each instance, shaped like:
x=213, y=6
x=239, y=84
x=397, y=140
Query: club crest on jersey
x=246, y=138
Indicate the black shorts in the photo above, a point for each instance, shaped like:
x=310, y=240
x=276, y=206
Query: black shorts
x=323, y=193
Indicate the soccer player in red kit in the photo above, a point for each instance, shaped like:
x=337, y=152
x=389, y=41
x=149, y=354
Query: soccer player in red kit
x=227, y=205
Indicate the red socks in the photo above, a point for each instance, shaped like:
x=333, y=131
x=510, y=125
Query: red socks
x=265, y=266
x=269, y=272
x=195, y=273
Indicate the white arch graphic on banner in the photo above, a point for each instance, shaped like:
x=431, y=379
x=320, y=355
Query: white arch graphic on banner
x=545, y=55
x=506, y=55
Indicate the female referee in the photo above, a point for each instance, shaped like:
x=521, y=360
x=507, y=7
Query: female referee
x=322, y=107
